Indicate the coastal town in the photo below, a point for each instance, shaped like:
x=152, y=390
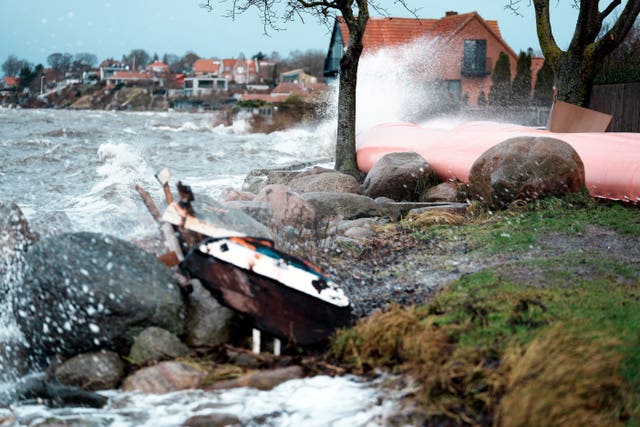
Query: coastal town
x=464, y=53
x=213, y=240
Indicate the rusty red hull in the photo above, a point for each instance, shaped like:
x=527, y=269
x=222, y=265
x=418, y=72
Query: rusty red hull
x=276, y=309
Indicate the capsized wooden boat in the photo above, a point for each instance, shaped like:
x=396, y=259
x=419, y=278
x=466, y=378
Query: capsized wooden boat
x=611, y=159
x=287, y=296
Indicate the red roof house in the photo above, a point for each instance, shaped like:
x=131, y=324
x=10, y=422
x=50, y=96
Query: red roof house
x=210, y=67
x=458, y=50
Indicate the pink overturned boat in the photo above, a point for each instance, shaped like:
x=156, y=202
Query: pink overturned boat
x=611, y=160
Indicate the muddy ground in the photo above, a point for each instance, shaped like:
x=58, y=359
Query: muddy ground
x=409, y=270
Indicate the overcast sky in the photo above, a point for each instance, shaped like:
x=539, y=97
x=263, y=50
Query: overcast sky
x=33, y=29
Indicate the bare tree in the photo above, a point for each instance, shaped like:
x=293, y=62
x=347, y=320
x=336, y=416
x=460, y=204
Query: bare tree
x=12, y=65
x=356, y=15
x=576, y=68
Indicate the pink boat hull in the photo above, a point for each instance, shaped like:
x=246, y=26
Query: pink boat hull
x=611, y=160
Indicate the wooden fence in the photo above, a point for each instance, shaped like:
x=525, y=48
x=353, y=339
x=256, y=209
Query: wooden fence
x=622, y=101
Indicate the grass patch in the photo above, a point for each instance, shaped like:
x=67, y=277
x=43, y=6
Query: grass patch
x=518, y=229
x=490, y=350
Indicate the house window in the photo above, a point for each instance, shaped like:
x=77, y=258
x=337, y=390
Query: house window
x=336, y=50
x=475, y=58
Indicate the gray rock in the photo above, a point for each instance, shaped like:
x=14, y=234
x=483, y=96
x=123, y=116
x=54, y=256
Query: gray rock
x=155, y=344
x=15, y=238
x=444, y=192
x=260, y=211
x=208, y=322
x=212, y=420
x=326, y=181
x=164, y=377
x=262, y=380
x=399, y=176
x=85, y=292
x=360, y=233
x=344, y=205
x=526, y=168
x=102, y=370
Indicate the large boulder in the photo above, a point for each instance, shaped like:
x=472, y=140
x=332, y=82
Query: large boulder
x=287, y=207
x=102, y=370
x=85, y=292
x=399, y=176
x=324, y=180
x=526, y=168
x=208, y=322
x=165, y=377
x=154, y=344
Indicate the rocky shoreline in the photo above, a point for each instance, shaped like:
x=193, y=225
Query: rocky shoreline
x=371, y=237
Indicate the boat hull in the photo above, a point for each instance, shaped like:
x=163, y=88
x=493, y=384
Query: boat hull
x=275, y=308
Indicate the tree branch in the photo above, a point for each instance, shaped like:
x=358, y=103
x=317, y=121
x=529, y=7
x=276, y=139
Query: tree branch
x=609, y=9
x=548, y=44
x=619, y=31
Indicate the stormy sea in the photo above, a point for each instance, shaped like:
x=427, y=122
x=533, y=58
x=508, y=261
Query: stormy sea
x=77, y=171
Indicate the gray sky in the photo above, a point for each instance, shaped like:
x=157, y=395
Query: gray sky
x=33, y=29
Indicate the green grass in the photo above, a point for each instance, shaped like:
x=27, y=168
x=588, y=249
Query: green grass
x=566, y=337
x=518, y=229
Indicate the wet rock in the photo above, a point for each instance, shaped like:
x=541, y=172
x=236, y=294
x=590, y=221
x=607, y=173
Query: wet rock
x=526, y=168
x=399, y=176
x=164, y=377
x=327, y=181
x=208, y=322
x=262, y=380
x=213, y=420
x=343, y=226
x=344, y=205
x=444, y=192
x=37, y=388
x=7, y=416
x=257, y=179
x=51, y=223
x=85, y=292
x=230, y=195
x=156, y=344
x=15, y=238
x=260, y=211
x=102, y=370
x=287, y=207
x=360, y=233
x=396, y=210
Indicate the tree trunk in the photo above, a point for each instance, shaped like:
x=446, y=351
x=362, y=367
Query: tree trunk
x=346, y=135
x=574, y=78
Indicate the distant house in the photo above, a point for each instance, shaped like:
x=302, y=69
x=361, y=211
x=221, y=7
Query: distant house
x=123, y=77
x=208, y=67
x=298, y=76
x=267, y=71
x=228, y=66
x=457, y=51
x=245, y=71
x=109, y=66
x=204, y=85
x=158, y=67
x=285, y=90
x=10, y=83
